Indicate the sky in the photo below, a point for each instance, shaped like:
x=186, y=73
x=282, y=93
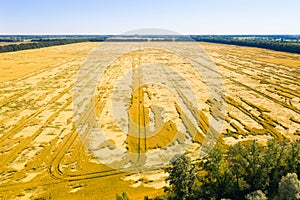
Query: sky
x=119, y=16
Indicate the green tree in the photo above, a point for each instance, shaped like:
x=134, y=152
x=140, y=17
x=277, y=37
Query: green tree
x=237, y=163
x=293, y=157
x=275, y=163
x=289, y=187
x=248, y=163
x=217, y=180
x=256, y=195
x=182, y=178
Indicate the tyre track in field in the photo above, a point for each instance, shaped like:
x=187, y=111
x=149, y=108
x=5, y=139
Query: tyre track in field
x=259, y=64
x=25, y=142
x=267, y=124
x=201, y=120
x=24, y=121
x=136, y=139
x=290, y=107
x=18, y=94
x=54, y=167
x=276, y=86
x=256, y=91
x=278, y=89
x=266, y=73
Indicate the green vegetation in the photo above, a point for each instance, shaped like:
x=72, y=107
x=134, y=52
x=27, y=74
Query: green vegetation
x=248, y=171
x=182, y=187
x=242, y=171
x=42, y=43
x=256, y=195
x=286, y=43
x=124, y=196
x=277, y=43
x=289, y=187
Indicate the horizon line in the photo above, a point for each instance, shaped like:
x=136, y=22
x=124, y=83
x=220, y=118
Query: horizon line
x=114, y=34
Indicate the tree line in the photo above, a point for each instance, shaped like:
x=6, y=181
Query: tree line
x=40, y=43
x=260, y=43
x=272, y=44
x=243, y=171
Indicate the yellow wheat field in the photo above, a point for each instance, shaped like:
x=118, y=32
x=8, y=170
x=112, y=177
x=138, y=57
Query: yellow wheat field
x=41, y=155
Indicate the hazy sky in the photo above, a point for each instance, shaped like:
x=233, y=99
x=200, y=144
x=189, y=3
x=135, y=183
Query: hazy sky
x=118, y=16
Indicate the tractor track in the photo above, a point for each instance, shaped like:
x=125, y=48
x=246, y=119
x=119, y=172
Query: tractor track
x=258, y=92
x=202, y=123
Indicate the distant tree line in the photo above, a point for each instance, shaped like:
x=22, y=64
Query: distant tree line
x=277, y=43
x=7, y=40
x=267, y=44
x=40, y=43
x=69, y=40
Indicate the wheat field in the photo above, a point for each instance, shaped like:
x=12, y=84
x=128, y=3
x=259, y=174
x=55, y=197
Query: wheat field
x=42, y=155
